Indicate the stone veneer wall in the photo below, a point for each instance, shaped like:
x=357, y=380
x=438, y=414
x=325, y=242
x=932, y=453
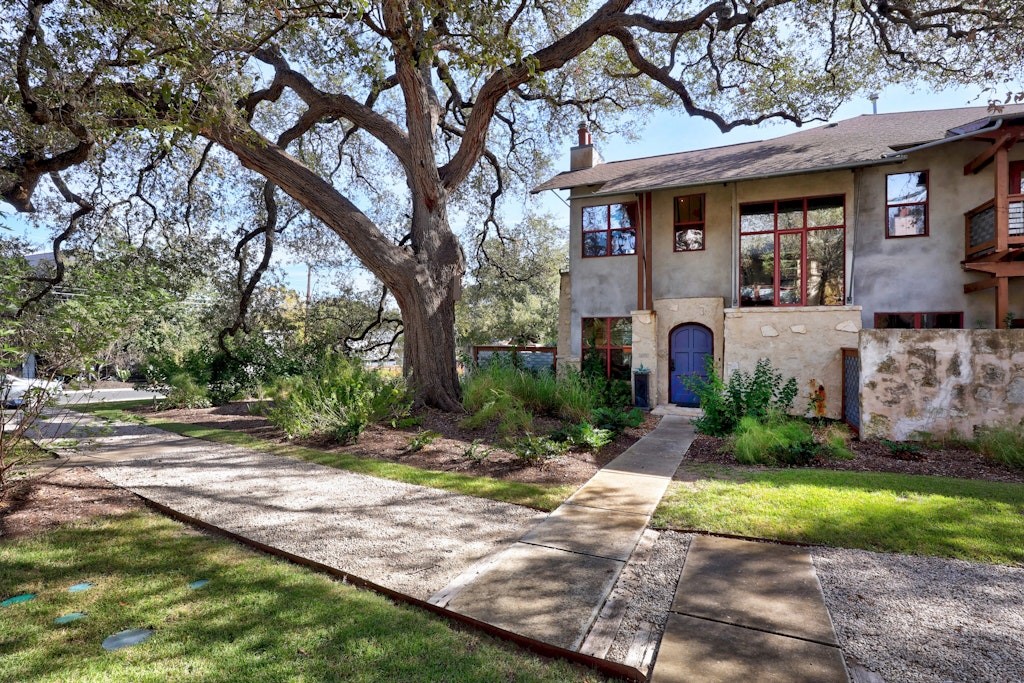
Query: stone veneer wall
x=939, y=381
x=805, y=343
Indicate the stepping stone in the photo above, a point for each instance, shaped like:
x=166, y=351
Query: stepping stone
x=14, y=600
x=132, y=636
x=547, y=594
x=199, y=583
x=79, y=587
x=710, y=652
x=765, y=586
x=68, y=618
x=590, y=531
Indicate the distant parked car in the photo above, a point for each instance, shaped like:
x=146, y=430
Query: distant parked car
x=14, y=390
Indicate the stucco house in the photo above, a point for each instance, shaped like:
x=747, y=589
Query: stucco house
x=788, y=247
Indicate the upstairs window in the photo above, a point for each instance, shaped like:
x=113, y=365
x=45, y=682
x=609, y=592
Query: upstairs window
x=793, y=252
x=919, y=321
x=608, y=346
x=689, y=223
x=906, y=204
x=609, y=230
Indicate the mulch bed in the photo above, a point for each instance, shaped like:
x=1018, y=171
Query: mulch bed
x=875, y=456
x=455, y=449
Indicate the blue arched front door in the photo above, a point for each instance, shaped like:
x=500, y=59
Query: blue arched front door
x=688, y=348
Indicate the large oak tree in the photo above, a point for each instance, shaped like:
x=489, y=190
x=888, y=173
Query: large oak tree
x=387, y=120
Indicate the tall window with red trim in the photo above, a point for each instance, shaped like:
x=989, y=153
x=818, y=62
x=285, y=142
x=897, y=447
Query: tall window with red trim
x=608, y=346
x=609, y=229
x=906, y=204
x=793, y=252
x=688, y=222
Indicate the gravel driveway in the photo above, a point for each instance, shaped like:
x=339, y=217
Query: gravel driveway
x=409, y=538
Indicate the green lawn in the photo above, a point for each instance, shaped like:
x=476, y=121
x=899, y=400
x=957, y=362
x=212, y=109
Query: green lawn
x=971, y=520
x=259, y=619
x=538, y=496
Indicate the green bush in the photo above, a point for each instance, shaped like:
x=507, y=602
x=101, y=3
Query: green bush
x=756, y=395
x=774, y=442
x=512, y=395
x=491, y=404
x=530, y=449
x=421, y=439
x=616, y=420
x=338, y=400
x=584, y=435
x=1002, y=443
x=184, y=392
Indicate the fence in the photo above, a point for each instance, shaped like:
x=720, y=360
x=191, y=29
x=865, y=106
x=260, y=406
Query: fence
x=532, y=357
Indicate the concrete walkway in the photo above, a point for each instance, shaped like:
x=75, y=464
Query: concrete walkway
x=552, y=584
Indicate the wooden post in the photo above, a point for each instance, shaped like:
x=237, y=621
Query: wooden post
x=1002, y=203
x=1002, y=302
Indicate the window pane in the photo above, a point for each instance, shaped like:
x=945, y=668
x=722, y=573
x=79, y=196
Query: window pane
x=757, y=270
x=790, y=251
x=623, y=241
x=894, y=321
x=906, y=220
x=595, y=217
x=906, y=188
x=948, y=321
x=757, y=217
x=623, y=215
x=620, y=364
x=690, y=209
x=689, y=239
x=791, y=215
x=826, y=266
x=595, y=243
x=622, y=331
x=825, y=211
x=593, y=332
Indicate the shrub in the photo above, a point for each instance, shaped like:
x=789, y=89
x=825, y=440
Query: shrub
x=421, y=439
x=756, y=395
x=1002, y=443
x=616, y=420
x=338, y=400
x=488, y=392
x=835, y=440
x=185, y=393
x=584, y=435
x=774, y=442
x=904, y=450
x=498, y=405
x=531, y=448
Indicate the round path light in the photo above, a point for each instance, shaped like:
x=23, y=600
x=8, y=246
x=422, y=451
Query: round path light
x=132, y=636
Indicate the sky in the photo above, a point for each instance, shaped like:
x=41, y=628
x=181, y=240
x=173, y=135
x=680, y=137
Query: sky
x=660, y=134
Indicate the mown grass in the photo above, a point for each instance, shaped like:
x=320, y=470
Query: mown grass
x=920, y=515
x=259, y=619
x=538, y=496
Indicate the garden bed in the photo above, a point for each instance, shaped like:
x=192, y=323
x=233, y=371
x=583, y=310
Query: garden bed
x=474, y=452
x=874, y=456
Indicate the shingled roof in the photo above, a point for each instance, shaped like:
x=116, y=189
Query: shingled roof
x=862, y=141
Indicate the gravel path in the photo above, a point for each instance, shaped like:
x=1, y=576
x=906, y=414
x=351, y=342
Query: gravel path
x=915, y=619
x=409, y=538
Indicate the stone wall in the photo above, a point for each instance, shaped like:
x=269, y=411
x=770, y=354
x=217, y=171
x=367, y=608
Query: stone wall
x=805, y=343
x=939, y=381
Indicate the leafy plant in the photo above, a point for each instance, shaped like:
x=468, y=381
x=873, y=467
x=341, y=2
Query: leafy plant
x=725, y=404
x=584, y=435
x=338, y=400
x=904, y=450
x=1002, y=443
x=616, y=420
x=476, y=452
x=531, y=449
x=421, y=439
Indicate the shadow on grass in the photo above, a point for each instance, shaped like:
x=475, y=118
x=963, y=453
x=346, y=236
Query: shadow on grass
x=258, y=619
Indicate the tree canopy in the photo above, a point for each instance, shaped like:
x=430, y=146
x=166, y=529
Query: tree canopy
x=400, y=125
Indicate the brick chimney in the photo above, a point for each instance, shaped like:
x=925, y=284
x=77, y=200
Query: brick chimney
x=583, y=155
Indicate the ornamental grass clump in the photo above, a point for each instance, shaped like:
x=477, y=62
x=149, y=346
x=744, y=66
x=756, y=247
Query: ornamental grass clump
x=338, y=400
x=1002, y=443
x=776, y=441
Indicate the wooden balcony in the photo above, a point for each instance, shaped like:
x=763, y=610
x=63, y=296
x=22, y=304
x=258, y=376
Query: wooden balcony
x=981, y=230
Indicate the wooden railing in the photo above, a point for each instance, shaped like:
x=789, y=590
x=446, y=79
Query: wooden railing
x=980, y=227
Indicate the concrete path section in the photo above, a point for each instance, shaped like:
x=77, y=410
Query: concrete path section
x=553, y=583
x=748, y=611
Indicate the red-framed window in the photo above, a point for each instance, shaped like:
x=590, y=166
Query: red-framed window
x=1016, y=177
x=906, y=204
x=793, y=252
x=608, y=344
x=610, y=229
x=688, y=223
x=920, y=321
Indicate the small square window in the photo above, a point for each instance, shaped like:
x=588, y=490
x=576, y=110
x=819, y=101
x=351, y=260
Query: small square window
x=688, y=223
